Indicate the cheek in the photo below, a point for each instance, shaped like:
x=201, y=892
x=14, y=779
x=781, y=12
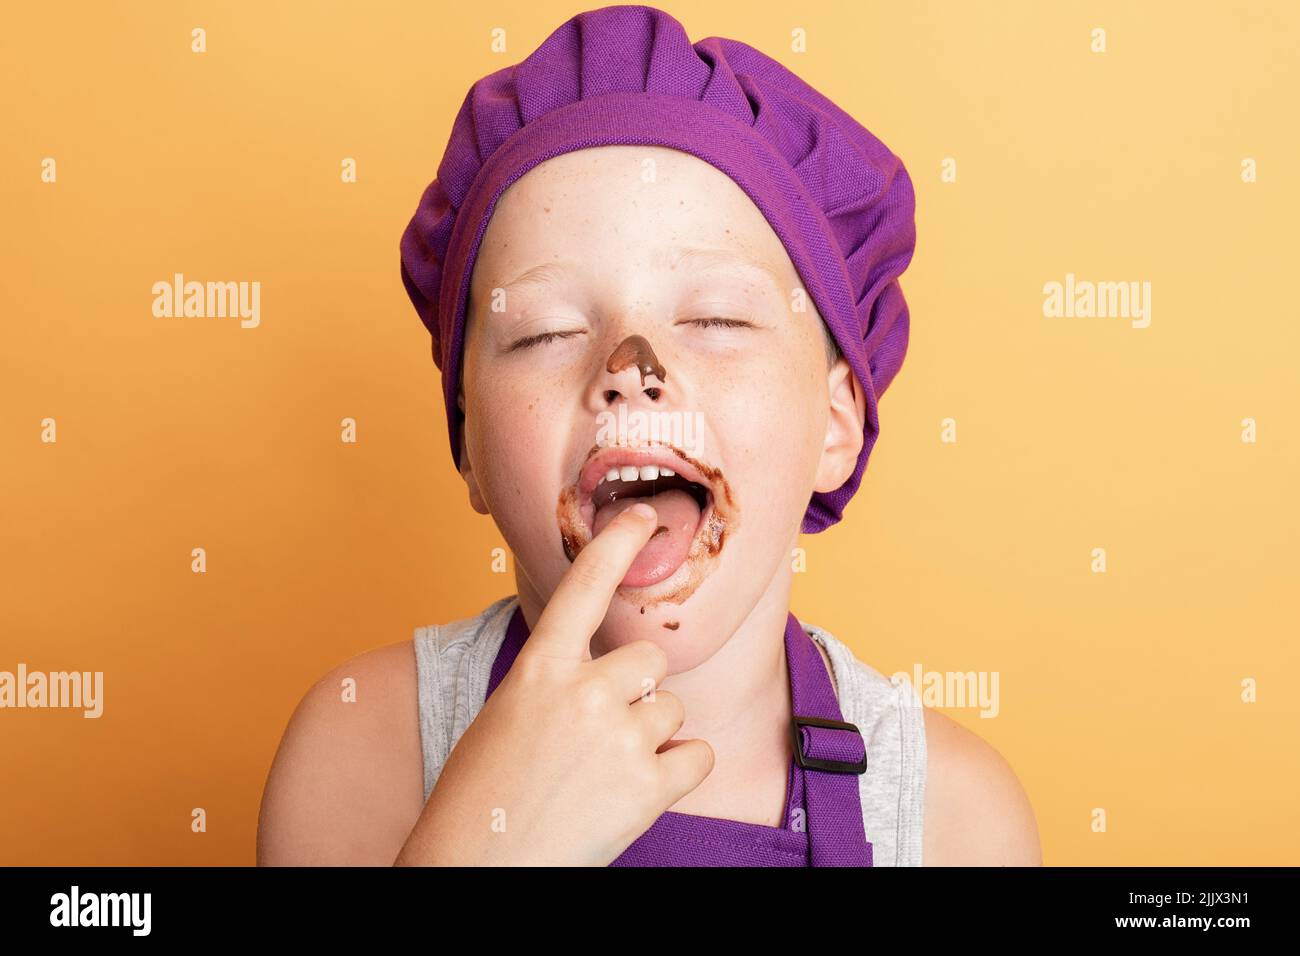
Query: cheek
x=770, y=406
x=515, y=445
x=772, y=426
x=509, y=440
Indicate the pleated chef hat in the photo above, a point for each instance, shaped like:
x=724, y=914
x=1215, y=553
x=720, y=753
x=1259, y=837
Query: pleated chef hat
x=838, y=199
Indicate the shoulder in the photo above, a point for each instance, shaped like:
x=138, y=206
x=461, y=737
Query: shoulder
x=345, y=785
x=976, y=811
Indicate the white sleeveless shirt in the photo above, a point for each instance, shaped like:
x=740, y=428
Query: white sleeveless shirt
x=454, y=662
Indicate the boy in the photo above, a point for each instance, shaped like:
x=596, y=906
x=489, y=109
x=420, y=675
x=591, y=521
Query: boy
x=661, y=280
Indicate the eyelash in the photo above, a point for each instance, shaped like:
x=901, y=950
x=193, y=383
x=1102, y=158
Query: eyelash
x=538, y=339
x=725, y=323
x=547, y=337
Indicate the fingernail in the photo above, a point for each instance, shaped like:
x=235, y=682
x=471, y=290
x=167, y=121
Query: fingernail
x=643, y=509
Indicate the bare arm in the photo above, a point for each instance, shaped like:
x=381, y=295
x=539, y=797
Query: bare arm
x=976, y=812
x=346, y=785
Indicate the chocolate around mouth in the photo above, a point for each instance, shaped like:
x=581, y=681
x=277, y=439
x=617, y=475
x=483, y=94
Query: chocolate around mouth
x=718, y=519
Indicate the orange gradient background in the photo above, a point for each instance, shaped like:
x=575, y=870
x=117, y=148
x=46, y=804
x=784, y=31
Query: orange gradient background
x=1119, y=690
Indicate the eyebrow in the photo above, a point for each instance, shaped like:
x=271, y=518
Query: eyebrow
x=702, y=257
x=543, y=274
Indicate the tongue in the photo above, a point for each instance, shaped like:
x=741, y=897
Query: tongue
x=666, y=550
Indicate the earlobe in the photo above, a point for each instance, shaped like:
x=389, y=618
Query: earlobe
x=844, y=427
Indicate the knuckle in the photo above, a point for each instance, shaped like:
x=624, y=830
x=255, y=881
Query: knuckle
x=670, y=702
x=658, y=656
x=630, y=743
x=590, y=697
x=586, y=574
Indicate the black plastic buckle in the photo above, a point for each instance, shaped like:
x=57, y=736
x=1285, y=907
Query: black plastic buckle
x=817, y=763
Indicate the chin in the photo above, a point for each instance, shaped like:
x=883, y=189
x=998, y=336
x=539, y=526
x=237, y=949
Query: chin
x=690, y=631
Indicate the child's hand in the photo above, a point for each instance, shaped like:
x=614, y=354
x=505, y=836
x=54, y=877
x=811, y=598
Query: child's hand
x=563, y=765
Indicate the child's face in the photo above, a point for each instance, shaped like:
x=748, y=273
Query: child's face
x=752, y=404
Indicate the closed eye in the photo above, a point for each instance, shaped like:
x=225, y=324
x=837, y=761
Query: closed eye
x=720, y=323
x=544, y=337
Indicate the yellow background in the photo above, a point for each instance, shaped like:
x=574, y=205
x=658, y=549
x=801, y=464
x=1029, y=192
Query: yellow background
x=1118, y=690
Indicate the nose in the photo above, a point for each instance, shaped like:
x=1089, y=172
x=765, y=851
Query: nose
x=631, y=359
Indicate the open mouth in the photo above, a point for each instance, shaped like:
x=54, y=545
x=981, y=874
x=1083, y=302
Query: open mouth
x=691, y=499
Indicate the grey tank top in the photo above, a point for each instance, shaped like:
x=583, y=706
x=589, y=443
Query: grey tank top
x=454, y=662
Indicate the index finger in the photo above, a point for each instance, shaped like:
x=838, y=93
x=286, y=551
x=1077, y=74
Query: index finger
x=582, y=597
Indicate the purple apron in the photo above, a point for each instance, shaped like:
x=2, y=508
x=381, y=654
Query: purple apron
x=823, y=779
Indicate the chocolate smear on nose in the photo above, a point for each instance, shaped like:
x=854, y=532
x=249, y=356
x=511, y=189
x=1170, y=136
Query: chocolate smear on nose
x=635, y=350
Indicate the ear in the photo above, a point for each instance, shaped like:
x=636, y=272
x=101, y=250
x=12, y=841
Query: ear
x=848, y=417
x=466, y=467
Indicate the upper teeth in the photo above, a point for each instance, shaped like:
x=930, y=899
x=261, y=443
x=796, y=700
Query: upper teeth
x=642, y=473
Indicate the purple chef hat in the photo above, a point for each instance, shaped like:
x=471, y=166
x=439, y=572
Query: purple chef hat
x=839, y=200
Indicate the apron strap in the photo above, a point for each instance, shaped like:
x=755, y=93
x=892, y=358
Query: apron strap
x=831, y=753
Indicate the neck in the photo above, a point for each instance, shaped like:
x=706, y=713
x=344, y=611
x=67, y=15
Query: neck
x=745, y=685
